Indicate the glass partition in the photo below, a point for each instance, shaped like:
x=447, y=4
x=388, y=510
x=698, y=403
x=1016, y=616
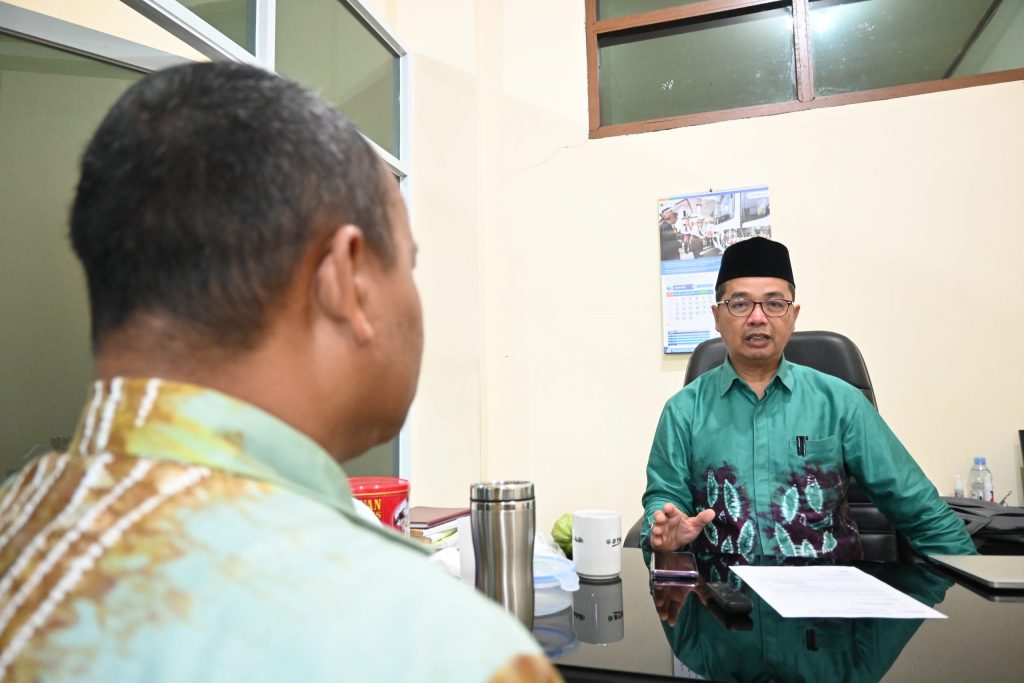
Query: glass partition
x=50, y=103
x=236, y=19
x=327, y=46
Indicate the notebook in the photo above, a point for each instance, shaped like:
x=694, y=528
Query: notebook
x=425, y=517
x=1004, y=572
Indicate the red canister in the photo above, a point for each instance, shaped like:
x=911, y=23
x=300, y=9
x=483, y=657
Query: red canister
x=387, y=497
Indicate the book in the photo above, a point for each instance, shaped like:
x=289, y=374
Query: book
x=425, y=517
x=432, y=539
x=434, y=532
x=446, y=540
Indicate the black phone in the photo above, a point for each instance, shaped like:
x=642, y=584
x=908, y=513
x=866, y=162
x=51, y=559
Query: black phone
x=679, y=566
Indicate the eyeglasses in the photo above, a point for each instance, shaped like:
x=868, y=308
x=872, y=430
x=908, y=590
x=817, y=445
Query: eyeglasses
x=741, y=308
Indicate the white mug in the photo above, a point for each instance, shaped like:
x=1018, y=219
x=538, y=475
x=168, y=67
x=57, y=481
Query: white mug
x=597, y=543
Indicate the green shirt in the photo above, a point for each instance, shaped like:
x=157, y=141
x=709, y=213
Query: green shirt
x=718, y=446
x=188, y=536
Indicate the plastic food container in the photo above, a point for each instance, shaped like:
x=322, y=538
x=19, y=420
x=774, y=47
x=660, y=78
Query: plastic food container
x=554, y=581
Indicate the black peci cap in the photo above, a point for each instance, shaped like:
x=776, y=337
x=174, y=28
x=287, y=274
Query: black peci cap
x=755, y=257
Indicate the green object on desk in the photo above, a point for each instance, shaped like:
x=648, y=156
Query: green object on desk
x=561, y=532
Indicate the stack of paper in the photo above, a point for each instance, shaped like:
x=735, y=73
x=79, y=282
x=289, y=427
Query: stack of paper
x=434, y=526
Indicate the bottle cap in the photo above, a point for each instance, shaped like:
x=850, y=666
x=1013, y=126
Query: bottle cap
x=979, y=460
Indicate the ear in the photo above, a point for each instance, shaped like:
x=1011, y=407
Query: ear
x=714, y=313
x=340, y=283
x=796, y=311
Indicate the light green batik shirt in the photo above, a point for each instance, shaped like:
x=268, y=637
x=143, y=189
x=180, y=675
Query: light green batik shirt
x=718, y=446
x=188, y=536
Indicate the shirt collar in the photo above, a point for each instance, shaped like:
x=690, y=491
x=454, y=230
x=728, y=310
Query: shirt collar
x=166, y=420
x=728, y=377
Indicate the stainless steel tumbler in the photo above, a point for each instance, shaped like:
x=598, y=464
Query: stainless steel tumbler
x=503, y=517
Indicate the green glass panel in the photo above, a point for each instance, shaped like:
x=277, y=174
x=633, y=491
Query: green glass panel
x=234, y=18
x=379, y=461
x=50, y=103
x=325, y=45
x=1000, y=44
x=734, y=60
x=609, y=9
x=879, y=43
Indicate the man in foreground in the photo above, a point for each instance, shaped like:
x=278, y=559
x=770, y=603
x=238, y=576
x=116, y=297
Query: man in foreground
x=753, y=457
x=249, y=265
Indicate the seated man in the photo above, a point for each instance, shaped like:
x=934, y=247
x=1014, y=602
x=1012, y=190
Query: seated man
x=753, y=457
x=255, y=322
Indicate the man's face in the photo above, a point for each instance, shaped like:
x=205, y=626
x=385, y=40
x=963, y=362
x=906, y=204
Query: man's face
x=399, y=320
x=756, y=338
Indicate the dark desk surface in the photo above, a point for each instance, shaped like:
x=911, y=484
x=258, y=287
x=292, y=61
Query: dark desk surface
x=982, y=637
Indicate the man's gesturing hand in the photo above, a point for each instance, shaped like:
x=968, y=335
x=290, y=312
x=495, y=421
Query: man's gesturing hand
x=672, y=528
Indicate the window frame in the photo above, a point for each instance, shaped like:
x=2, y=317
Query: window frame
x=69, y=37
x=804, y=68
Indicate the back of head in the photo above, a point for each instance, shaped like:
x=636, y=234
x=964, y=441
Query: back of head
x=200, y=192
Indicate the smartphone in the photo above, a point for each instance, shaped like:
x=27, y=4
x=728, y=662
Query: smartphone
x=678, y=566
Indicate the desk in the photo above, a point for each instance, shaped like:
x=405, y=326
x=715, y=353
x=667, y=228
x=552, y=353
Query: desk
x=981, y=637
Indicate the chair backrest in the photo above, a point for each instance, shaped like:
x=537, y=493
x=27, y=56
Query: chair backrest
x=826, y=352
x=835, y=355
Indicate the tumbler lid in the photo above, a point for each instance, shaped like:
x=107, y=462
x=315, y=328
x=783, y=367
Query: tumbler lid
x=501, y=490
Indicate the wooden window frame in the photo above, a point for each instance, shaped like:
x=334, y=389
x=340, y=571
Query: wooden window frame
x=804, y=68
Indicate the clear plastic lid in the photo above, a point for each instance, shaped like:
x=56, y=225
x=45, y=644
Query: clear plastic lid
x=550, y=571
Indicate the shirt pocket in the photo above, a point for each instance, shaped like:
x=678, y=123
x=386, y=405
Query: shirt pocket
x=817, y=449
x=821, y=449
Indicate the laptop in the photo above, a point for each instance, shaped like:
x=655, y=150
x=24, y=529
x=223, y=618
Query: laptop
x=1003, y=572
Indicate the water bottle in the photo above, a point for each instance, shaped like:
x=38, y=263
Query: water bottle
x=503, y=517
x=980, y=480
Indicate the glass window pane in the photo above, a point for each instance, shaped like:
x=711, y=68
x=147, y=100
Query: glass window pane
x=734, y=60
x=379, y=461
x=234, y=18
x=325, y=45
x=870, y=44
x=609, y=9
x=1000, y=44
x=50, y=103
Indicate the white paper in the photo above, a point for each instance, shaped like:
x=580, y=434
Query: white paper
x=831, y=592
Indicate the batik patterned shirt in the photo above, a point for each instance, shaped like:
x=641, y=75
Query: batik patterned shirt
x=188, y=536
x=776, y=469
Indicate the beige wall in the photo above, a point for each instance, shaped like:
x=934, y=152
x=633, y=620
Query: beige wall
x=539, y=267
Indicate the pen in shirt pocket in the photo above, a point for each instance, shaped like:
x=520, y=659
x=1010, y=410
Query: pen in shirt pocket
x=801, y=445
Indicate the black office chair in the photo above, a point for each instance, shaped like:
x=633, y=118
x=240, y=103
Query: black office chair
x=835, y=355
